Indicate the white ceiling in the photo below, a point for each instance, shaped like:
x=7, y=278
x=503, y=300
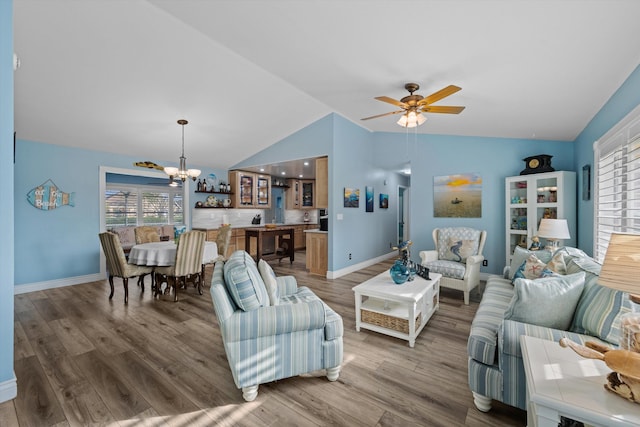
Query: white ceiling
x=116, y=75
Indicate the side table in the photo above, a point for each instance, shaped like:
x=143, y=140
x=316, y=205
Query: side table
x=561, y=383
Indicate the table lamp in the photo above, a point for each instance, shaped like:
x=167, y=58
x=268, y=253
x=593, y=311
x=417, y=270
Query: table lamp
x=620, y=271
x=553, y=230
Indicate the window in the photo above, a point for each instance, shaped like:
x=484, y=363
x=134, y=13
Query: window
x=617, y=201
x=127, y=205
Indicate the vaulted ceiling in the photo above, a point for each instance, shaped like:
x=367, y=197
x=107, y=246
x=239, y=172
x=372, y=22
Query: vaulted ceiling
x=116, y=75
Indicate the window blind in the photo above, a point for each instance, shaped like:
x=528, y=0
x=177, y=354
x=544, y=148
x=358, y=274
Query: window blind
x=617, y=190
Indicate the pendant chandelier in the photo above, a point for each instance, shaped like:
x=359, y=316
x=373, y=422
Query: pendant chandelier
x=183, y=173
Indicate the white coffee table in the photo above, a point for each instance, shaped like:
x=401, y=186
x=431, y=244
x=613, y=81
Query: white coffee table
x=561, y=383
x=400, y=311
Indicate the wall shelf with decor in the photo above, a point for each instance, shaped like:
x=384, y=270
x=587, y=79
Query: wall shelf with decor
x=215, y=192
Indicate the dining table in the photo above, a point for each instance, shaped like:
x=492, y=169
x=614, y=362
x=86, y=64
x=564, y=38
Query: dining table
x=161, y=254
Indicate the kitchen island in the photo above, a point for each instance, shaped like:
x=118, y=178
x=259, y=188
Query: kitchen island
x=286, y=244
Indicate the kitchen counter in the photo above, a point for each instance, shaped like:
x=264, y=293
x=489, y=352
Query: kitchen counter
x=316, y=230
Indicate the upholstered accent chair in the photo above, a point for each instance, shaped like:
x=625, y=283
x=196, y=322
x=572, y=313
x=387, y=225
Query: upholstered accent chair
x=223, y=240
x=458, y=257
x=188, y=264
x=146, y=234
x=272, y=328
x=117, y=265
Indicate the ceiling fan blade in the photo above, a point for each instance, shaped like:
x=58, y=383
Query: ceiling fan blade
x=441, y=109
x=437, y=96
x=382, y=115
x=392, y=101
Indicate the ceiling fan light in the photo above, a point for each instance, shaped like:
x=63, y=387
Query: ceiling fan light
x=402, y=121
x=420, y=118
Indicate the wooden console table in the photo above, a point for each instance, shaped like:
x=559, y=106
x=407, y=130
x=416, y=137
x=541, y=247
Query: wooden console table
x=260, y=232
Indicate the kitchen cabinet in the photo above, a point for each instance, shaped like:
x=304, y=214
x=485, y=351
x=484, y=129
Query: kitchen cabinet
x=301, y=194
x=251, y=190
x=529, y=198
x=237, y=240
x=322, y=183
x=317, y=252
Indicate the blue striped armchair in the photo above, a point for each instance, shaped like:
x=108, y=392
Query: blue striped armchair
x=270, y=327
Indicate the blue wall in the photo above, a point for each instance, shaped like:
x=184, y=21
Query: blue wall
x=625, y=99
x=7, y=378
x=72, y=231
x=493, y=159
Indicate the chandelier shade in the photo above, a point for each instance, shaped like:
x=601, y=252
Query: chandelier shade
x=182, y=172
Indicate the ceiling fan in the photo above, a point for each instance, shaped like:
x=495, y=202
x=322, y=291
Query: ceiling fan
x=413, y=105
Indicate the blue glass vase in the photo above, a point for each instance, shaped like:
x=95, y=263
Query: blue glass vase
x=399, y=272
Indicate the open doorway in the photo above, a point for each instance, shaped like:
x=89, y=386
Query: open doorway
x=403, y=213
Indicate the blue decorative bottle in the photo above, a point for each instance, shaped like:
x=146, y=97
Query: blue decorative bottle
x=399, y=272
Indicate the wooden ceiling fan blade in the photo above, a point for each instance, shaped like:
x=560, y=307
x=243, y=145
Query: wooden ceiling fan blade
x=382, y=115
x=437, y=96
x=392, y=101
x=442, y=109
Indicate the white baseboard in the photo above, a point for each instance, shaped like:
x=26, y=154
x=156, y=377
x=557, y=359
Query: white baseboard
x=58, y=283
x=8, y=389
x=344, y=271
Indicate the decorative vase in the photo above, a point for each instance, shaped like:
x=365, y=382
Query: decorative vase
x=399, y=272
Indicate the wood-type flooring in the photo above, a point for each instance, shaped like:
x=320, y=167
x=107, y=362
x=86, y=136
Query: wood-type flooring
x=81, y=359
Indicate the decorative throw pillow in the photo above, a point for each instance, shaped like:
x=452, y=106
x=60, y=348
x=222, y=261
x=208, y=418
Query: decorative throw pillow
x=532, y=269
x=269, y=278
x=557, y=263
x=244, y=283
x=520, y=255
x=459, y=249
x=548, y=301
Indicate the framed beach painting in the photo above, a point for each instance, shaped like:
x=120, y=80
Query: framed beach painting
x=457, y=196
x=351, y=197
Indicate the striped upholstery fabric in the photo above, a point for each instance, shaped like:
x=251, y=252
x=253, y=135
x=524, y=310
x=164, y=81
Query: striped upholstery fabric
x=495, y=365
x=300, y=335
x=188, y=261
x=244, y=283
x=600, y=308
x=117, y=265
x=483, y=343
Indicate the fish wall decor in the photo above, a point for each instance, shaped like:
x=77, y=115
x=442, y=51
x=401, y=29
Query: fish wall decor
x=148, y=165
x=47, y=196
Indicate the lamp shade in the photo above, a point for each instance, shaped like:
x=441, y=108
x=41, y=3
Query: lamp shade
x=621, y=266
x=556, y=229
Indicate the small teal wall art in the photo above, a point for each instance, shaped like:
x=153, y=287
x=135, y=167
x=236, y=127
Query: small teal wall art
x=384, y=201
x=368, y=191
x=47, y=196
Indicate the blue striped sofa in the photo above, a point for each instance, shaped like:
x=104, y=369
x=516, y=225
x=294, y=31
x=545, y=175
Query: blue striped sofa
x=495, y=363
x=272, y=330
